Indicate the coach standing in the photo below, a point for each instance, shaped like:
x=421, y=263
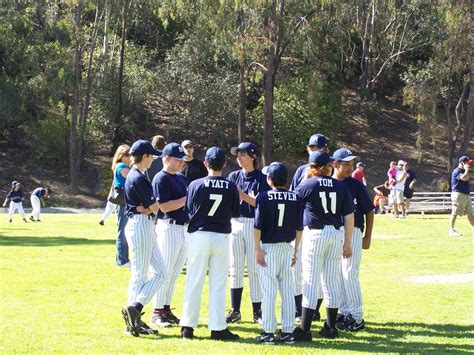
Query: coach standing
x=460, y=197
x=193, y=168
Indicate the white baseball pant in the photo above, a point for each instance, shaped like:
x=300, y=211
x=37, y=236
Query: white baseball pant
x=277, y=275
x=36, y=205
x=16, y=206
x=171, y=242
x=206, y=252
x=241, y=243
x=322, y=252
x=144, y=256
x=297, y=270
x=352, y=301
x=109, y=208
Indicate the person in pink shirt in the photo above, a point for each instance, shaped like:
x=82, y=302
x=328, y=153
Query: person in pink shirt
x=392, y=173
x=359, y=173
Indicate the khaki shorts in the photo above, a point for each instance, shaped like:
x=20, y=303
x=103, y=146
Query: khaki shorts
x=397, y=196
x=461, y=203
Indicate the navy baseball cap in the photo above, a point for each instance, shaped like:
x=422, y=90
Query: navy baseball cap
x=174, y=150
x=143, y=146
x=276, y=171
x=465, y=159
x=320, y=158
x=215, y=155
x=319, y=140
x=245, y=147
x=343, y=154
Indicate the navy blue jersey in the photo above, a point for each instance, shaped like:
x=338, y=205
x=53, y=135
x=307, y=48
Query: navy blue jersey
x=411, y=176
x=362, y=202
x=278, y=214
x=212, y=201
x=299, y=176
x=326, y=200
x=39, y=192
x=167, y=187
x=137, y=191
x=252, y=184
x=15, y=196
x=457, y=184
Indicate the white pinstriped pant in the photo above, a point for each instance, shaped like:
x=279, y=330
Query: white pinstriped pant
x=36, y=205
x=322, y=252
x=171, y=242
x=352, y=301
x=277, y=275
x=241, y=243
x=144, y=256
x=297, y=269
x=206, y=252
x=16, y=206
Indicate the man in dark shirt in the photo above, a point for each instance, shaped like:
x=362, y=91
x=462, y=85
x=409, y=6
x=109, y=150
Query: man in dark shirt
x=460, y=195
x=409, y=187
x=158, y=142
x=193, y=168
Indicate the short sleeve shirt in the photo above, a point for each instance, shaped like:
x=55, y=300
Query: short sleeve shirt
x=411, y=176
x=168, y=187
x=119, y=180
x=137, y=192
x=458, y=185
x=15, y=196
x=358, y=175
x=361, y=200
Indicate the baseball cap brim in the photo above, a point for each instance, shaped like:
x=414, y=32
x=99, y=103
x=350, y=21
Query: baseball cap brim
x=186, y=142
x=235, y=150
x=349, y=158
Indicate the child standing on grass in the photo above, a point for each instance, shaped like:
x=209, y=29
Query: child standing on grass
x=37, y=202
x=278, y=221
x=15, y=196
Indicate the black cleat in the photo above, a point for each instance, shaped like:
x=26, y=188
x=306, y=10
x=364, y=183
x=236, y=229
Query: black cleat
x=143, y=330
x=187, y=333
x=160, y=319
x=349, y=321
x=171, y=317
x=340, y=322
x=330, y=333
x=233, y=316
x=24, y=220
x=132, y=319
x=101, y=223
x=31, y=219
x=300, y=335
x=286, y=338
x=224, y=335
x=266, y=338
x=257, y=317
x=356, y=326
x=10, y=220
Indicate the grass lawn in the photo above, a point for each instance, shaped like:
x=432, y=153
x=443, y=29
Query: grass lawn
x=61, y=292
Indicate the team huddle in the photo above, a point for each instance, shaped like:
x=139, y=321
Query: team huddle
x=305, y=243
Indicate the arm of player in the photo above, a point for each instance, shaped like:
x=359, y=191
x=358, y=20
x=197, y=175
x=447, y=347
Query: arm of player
x=465, y=176
x=5, y=203
x=148, y=210
x=258, y=250
x=348, y=230
x=247, y=198
x=364, y=181
x=369, y=220
x=173, y=205
x=297, y=245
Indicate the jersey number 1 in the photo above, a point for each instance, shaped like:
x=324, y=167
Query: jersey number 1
x=324, y=201
x=217, y=201
x=281, y=214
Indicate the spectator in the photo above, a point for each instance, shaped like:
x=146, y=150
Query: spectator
x=409, y=187
x=392, y=172
x=398, y=188
x=381, y=198
x=359, y=173
x=193, y=168
x=158, y=142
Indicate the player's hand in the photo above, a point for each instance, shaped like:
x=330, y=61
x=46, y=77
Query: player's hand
x=293, y=260
x=366, y=243
x=141, y=209
x=347, y=251
x=4, y=205
x=261, y=258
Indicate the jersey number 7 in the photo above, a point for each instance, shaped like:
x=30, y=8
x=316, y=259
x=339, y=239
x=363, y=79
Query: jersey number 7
x=217, y=201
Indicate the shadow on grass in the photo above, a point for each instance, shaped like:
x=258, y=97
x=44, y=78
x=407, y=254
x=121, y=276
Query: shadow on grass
x=28, y=241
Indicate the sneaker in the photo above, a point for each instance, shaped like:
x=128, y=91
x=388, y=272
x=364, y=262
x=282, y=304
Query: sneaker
x=233, y=316
x=132, y=319
x=160, y=319
x=187, y=333
x=300, y=335
x=257, y=317
x=454, y=233
x=171, y=317
x=31, y=219
x=356, y=326
x=316, y=316
x=224, y=335
x=286, y=338
x=340, y=324
x=330, y=333
x=266, y=338
x=101, y=223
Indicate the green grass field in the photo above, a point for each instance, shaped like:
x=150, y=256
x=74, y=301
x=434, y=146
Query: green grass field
x=61, y=292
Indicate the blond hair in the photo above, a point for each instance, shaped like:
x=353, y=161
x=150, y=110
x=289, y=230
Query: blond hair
x=122, y=150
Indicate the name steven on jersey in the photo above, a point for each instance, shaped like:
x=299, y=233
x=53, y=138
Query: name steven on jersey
x=219, y=184
x=281, y=195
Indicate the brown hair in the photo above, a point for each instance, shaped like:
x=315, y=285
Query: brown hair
x=314, y=170
x=158, y=142
x=122, y=150
x=137, y=158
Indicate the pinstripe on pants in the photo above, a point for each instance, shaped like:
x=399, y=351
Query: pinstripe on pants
x=297, y=270
x=171, y=242
x=277, y=275
x=322, y=252
x=352, y=301
x=241, y=243
x=16, y=206
x=144, y=256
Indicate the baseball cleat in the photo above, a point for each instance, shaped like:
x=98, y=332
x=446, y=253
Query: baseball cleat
x=10, y=220
x=143, y=330
x=233, y=316
x=340, y=322
x=132, y=320
x=171, y=317
x=330, y=333
x=224, y=335
x=356, y=326
x=257, y=317
x=286, y=338
x=160, y=319
x=101, y=223
x=266, y=339
x=32, y=219
x=300, y=335
x=187, y=333
x=24, y=220
x=454, y=233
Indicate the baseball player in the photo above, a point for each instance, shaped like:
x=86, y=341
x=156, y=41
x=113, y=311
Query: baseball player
x=278, y=221
x=460, y=198
x=170, y=189
x=250, y=182
x=328, y=207
x=211, y=203
x=350, y=317
x=37, y=201
x=317, y=142
x=15, y=196
x=144, y=253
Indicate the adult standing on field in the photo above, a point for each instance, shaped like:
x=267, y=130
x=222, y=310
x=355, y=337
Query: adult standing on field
x=170, y=190
x=398, y=189
x=120, y=167
x=158, y=142
x=409, y=187
x=211, y=203
x=193, y=168
x=460, y=194
x=250, y=181
x=359, y=173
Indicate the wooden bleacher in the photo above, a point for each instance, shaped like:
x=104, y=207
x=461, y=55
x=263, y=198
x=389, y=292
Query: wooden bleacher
x=433, y=202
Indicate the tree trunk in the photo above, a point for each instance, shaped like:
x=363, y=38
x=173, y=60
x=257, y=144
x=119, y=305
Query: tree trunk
x=241, y=130
x=450, y=135
x=105, y=44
